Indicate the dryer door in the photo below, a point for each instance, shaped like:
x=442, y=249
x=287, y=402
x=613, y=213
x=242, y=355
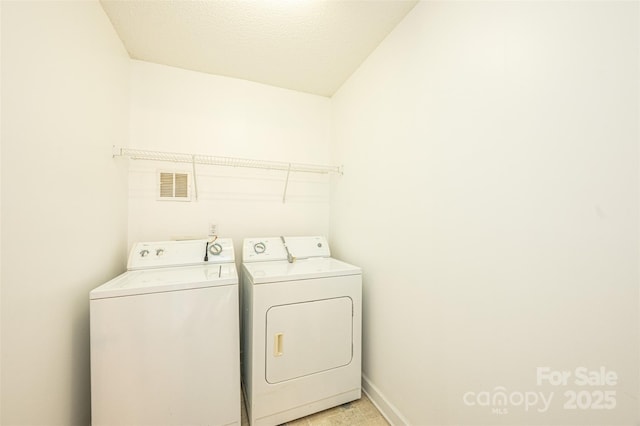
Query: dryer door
x=307, y=338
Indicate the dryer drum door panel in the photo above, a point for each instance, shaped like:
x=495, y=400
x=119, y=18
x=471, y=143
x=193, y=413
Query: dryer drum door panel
x=307, y=338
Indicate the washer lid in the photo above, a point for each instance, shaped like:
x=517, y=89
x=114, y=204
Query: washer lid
x=315, y=267
x=167, y=279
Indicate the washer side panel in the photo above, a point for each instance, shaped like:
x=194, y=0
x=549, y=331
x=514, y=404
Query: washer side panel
x=166, y=358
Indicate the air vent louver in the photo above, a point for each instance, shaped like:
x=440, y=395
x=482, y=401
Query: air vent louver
x=173, y=186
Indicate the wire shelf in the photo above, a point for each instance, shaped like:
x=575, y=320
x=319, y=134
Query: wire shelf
x=174, y=157
x=212, y=160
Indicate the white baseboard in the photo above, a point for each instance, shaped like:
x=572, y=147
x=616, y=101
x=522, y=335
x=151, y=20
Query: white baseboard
x=387, y=409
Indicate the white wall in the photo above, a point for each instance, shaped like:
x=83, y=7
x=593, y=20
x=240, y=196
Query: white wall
x=184, y=111
x=491, y=196
x=0, y=211
x=64, y=200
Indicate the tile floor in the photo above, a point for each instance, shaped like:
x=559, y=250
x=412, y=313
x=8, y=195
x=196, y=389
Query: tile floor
x=356, y=413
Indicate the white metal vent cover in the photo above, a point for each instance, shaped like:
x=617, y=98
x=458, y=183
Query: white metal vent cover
x=174, y=186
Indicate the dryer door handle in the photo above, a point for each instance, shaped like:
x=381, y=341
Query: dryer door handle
x=278, y=344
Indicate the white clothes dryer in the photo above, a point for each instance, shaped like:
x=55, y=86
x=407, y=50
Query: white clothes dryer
x=165, y=338
x=301, y=328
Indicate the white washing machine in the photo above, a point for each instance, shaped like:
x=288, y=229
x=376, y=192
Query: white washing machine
x=301, y=329
x=165, y=338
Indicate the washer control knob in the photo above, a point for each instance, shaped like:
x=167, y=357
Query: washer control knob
x=215, y=249
x=144, y=253
x=259, y=247
x=159, y=252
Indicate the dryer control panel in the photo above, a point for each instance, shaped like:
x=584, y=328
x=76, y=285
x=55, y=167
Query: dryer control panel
x=263, y=249
x=278, y=248
x=180, y=253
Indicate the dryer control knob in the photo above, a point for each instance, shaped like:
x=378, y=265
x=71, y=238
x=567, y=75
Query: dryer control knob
x=144, y=253
x=159, y=252
x=259, y=247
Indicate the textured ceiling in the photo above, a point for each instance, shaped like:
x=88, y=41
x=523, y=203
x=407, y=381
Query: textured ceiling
x=307, y=45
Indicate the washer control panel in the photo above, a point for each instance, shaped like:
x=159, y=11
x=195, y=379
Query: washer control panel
x=180, y=253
